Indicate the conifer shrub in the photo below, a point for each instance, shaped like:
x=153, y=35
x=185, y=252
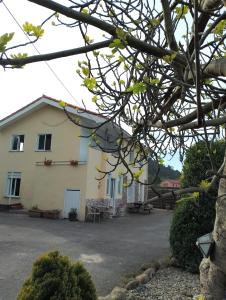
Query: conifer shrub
x=54, y=277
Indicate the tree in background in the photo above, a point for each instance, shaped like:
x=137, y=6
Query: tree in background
x=163, y=172
x=197, y=163
x=158, y=67
x=195, y=214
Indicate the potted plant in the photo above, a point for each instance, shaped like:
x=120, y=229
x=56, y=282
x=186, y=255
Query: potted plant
x=73, y=215
x=73, y=163
x=48, y=162
x=35, y=212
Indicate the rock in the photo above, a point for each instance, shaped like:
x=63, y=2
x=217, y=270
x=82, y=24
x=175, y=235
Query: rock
x=143, y=278
x=118, y=293
x=150, y=272
x=131, y=285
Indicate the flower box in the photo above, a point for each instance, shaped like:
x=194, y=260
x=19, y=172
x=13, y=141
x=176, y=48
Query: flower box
x=34, y=213
x=51, y=214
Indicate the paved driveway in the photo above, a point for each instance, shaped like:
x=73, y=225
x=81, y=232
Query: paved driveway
x=109, y=250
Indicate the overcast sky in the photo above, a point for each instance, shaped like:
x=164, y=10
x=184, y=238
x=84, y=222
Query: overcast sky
x=21, y=86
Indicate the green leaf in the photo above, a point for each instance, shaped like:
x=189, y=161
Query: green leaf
x=4, y=39
x=170, y=57
x=86, y=71
x=181, y=11
x=218, y=30
x=19, y=55
x=139, y=87
x=90, y=83
x=62, y=104
x=154, y=22
x=32, y=30
x=154, y=81
x=96, y=53
x=137, y=174
x=160, y=161
x=85, y=11
x=122, y=82
x=204, y=184
x=94, y=99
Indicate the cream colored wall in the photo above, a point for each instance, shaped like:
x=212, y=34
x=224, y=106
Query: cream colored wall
x=43, y=185
x=93, y=186
x=97, y=189
x=121, y=169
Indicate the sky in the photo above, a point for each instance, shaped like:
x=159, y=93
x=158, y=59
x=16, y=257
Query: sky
x=22, y=86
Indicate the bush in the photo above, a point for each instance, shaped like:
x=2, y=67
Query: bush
x=192, y=218
x=197, y=162
x=54, y=277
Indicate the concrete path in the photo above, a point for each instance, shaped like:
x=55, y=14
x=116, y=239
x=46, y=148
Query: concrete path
x=109, y=250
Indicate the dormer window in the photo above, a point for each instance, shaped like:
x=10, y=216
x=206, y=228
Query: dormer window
x=17, y=143
x=44, y=142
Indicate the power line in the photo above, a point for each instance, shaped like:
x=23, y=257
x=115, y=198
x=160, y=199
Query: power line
x=49, y=67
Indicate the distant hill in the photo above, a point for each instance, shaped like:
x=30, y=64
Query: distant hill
x=164, y=173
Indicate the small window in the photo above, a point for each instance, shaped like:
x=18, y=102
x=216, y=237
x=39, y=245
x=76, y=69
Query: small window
x=44, y=142
x=13, y=184
x=120, y=184
x=17, y=143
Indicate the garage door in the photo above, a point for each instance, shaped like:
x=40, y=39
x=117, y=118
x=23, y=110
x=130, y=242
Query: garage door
x=71, y=200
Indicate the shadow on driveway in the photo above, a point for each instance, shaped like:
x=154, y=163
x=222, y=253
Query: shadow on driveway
x=109, y=250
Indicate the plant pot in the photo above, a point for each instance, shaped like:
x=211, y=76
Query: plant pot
x=48, y=162
x=73, y=163
x=72, y=217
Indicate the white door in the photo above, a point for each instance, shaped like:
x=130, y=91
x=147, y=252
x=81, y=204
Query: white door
x=71, y=200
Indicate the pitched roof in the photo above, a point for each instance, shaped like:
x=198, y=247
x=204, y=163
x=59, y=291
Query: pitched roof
x=45, y=100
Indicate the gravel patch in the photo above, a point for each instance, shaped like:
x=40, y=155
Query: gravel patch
x=169, y=283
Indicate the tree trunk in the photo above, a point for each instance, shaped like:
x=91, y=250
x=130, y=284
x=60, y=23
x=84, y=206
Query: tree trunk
x=213, y=269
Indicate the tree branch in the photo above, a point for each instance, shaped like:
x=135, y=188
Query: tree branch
x=49, y=56
x=110, y=29
x=176, y=193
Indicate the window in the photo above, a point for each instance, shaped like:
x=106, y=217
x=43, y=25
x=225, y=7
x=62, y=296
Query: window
x=131, y=156
x=131, y=193
x=108, y=183
x=120, y=184
x=13, y=184
x=44, y=142
x=17, y=143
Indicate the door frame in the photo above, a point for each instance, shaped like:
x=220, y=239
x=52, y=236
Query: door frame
x=72, y=190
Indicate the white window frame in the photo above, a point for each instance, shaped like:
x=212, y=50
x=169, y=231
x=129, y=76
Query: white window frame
x=20, y=146
x=10, y=189
x=43, y=150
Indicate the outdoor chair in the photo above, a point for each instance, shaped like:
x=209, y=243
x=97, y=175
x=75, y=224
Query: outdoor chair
x=93, y=213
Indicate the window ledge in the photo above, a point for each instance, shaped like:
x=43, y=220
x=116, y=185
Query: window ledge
x=16, y=150
x=12, y=197
x=43, y=150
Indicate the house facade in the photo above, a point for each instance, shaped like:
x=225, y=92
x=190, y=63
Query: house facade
x=48, y=162
x=170, y=183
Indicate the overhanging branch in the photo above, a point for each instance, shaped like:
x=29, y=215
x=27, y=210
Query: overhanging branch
x=49, y=56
